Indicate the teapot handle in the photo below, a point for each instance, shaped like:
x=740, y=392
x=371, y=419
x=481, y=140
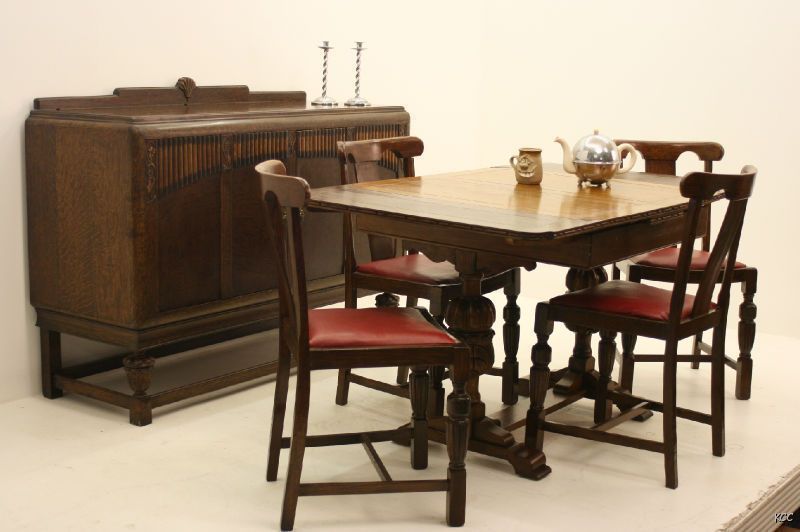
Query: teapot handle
x=630, y=161
x=512, y=163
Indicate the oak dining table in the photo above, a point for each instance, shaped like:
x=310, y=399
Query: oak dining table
x=483, y=222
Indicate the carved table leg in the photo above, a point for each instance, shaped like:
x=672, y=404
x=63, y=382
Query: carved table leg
x=51, y=362
x=581, y=362
x=470, y=318
x=138, y=370
x=747, y=337
x=511, y=315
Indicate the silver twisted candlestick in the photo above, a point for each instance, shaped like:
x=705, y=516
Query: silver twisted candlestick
x=325, y=100
x=357, y=100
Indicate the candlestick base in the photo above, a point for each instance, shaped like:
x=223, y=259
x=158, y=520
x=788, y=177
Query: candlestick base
x=357, y=101
x=325, y=101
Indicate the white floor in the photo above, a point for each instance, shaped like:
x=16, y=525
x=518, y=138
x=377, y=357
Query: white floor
x=76, y=465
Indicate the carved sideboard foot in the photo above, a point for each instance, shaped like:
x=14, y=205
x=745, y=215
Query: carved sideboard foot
x=138, y=369
x=141, y=412
x=51, y=362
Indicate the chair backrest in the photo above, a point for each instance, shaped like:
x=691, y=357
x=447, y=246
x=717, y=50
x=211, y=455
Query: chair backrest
x=660, y=157
x=700, y=188
x=360, y=160
x=285, y=197
x=373, y=160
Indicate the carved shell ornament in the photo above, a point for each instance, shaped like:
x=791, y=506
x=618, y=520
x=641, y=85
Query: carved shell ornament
x=186, y=86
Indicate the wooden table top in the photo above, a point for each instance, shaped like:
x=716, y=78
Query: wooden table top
x=491, y=199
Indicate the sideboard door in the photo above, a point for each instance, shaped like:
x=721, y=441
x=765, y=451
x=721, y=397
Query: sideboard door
x=185, y=192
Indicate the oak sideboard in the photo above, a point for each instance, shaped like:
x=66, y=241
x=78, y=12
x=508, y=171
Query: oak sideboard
x=146, y=229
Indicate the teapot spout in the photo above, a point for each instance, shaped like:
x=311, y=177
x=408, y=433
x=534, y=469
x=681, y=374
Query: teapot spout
x=569, y=166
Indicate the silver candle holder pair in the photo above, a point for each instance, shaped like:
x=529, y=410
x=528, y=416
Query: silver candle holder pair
x=327, y=101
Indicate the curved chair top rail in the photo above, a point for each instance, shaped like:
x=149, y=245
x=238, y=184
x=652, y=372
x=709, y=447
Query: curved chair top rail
x=289, y=190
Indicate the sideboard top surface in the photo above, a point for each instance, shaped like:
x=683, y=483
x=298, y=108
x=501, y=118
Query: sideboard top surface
x=189, y=103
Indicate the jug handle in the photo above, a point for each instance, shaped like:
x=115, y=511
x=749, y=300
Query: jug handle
x=631, y=160
x=512, y=163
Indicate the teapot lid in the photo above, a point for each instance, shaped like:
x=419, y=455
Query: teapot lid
x=595, y=149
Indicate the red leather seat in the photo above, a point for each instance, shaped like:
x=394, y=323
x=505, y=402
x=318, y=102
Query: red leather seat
x=668, y=258
x=626, y=298
x=416, y=268
x=371, y=327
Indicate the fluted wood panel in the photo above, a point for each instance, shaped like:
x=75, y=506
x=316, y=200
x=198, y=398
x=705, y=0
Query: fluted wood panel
x=250, y=149
x=174, y=163
x=313, y=143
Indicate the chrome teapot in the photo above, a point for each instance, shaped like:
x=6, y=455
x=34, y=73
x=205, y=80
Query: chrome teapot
x=596, y=158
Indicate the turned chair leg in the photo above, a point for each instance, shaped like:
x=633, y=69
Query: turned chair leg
x=511, y=315
x=606, y=352
x=718, y=391
x=696, y=350
x=628, y=344
x=418, y=392
x=670, y=415
x=402, y=375
x=747, y=337
x=541, y=354
x=402, y=371
x=299, y=431
x=436, y=396
x=343, y=387
x=627, y=364
x=457, y=429
x=343, y=383
x=278, y=410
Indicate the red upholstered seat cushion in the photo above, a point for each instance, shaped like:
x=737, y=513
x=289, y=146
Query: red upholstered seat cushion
x=372, y=327
x=626, y=298
x=416, y=268
x=668, y=258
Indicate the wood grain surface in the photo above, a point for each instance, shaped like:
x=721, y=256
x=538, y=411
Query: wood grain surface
x=492, y=200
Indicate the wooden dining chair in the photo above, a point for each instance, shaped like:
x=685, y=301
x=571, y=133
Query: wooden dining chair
x=354, y=338
x=660, y=157
x=641, y=310
x=393, y=269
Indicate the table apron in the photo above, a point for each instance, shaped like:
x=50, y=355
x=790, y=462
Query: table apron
x=587, y=250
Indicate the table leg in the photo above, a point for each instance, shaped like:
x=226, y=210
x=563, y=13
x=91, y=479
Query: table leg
x=581, y=363
x=470, y=318
x=580, y=375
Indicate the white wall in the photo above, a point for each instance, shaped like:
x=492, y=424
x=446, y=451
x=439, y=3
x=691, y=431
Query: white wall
x=479, y=80
x=422, y=55
x=726, y=71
